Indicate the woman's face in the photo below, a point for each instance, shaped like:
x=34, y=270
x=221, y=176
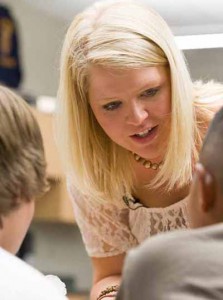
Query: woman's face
x=133, y=107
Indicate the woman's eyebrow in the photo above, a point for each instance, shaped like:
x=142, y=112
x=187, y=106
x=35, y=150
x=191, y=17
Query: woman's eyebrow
x=151, y=86
x=108, y=99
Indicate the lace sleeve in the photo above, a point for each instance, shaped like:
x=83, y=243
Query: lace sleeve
x=104, y=227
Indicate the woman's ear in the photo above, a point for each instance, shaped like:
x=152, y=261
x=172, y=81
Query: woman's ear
x=206, y=187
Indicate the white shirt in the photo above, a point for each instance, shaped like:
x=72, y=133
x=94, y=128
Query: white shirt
x=19, y=281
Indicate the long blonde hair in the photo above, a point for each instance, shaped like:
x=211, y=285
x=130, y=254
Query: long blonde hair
x=120, y=34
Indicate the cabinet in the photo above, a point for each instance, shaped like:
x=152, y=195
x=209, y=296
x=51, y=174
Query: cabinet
x=55, y=205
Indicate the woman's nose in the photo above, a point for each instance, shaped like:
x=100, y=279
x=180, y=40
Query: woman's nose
x=136, y=114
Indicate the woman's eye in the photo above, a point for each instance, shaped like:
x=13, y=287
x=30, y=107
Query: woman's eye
x=112, y=105
x=150, y=92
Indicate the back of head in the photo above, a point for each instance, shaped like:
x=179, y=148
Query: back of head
x=22, y=160
x=211, y=155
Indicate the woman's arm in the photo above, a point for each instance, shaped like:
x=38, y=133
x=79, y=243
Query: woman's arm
x=106, y=273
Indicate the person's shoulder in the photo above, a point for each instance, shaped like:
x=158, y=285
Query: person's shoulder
x=214, y=232
x=10, y=262
x=168, y=250
x=157, y=253
x=27, y=281
x=169, y=239
x=163, y=244
x=169, y=242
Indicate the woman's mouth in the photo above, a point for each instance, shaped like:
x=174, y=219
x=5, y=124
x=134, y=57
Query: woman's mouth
x=146, y=135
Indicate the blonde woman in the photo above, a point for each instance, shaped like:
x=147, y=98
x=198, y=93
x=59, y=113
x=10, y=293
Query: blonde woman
x=130, y=126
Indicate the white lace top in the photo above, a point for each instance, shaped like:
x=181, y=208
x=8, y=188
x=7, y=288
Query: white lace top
x=109, y=230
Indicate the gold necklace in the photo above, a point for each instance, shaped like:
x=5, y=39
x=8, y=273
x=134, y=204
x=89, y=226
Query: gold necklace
x=147, y=163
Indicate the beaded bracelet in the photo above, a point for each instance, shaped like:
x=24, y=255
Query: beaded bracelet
x=108, y=290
